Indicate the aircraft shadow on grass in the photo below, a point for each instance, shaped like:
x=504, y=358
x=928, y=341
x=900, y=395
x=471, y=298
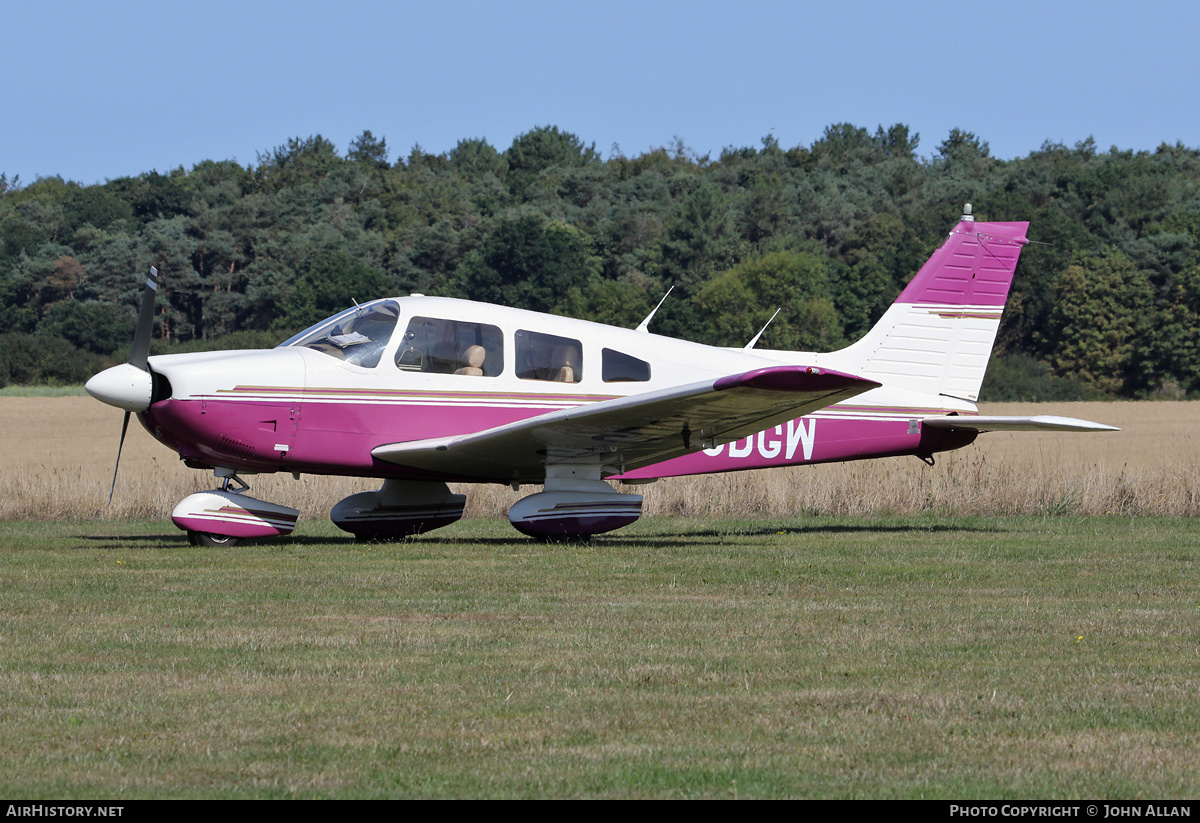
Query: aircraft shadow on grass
x=704, y=536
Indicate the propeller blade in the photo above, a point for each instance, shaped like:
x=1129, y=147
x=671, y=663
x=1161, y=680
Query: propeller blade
x=145, y=326
x=120, y=445
x=139, y=357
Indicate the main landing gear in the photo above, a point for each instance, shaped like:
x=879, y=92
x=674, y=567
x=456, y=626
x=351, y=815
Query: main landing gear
x=575, y=503
x=400, y=509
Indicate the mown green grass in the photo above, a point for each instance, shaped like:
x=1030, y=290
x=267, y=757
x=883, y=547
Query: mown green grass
x=915, y=657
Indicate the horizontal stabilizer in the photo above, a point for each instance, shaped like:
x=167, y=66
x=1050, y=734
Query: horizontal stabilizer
x=1036, y=423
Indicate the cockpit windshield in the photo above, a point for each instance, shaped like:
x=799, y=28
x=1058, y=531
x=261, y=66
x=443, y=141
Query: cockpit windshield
x=357, y=335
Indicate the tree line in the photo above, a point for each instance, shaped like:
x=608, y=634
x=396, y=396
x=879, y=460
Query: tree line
x=1105, y=302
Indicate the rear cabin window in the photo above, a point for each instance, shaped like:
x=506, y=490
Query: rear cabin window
x=548, y=357
x=438, y=346
x=618, y=367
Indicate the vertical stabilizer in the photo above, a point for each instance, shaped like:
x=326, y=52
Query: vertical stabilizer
x=938, y=335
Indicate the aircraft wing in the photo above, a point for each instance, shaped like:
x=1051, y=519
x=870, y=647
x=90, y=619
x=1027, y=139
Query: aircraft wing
x=1036, y=423
x=631, y=432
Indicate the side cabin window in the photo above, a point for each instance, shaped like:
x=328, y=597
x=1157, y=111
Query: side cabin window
x=548, y=357
x=438, y=346
x=618, y=367
x=357, y=335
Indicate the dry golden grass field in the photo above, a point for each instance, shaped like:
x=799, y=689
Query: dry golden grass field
x=59, y=451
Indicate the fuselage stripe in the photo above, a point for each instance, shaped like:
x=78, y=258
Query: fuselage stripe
x=842, y=411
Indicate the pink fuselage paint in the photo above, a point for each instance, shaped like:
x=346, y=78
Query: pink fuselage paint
x=337, y=439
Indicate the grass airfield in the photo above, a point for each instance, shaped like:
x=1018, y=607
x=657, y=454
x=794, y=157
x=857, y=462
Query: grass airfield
x=915, y=656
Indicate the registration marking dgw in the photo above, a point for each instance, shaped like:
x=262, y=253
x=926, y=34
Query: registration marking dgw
x=800, y=433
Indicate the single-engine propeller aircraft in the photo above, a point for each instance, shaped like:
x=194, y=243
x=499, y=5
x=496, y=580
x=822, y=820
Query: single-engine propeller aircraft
x=423, y=391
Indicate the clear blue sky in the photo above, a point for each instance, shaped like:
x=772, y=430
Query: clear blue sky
x=96, y=90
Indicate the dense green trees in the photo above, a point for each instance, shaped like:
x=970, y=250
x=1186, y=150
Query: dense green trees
x=526, y=261
x=1103, y=308
x=738, y=302
x=1106, y=301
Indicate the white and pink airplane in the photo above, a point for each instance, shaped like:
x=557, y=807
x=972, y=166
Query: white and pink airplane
x=423, y=391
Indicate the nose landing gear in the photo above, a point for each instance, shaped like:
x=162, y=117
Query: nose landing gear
x=226, y=516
